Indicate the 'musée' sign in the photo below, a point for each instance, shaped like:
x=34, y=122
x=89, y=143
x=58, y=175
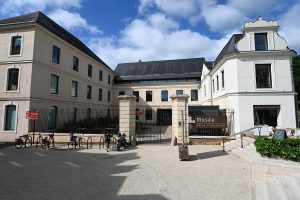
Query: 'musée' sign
x=211, y=122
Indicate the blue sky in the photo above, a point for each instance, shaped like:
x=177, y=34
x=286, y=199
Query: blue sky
x=121, y=31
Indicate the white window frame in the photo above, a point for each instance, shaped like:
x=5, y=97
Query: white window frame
x=10, y=41
x=77, y=88
x=272, y=75
x=4, y=117
x=6, y=81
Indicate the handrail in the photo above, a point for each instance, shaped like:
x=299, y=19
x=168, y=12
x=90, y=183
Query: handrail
x=240, y=133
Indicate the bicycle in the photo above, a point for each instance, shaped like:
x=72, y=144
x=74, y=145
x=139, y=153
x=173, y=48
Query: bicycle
x=107, y=137
x=80, y=141
x=25, y=140
x=73, y=142
x=44, y=141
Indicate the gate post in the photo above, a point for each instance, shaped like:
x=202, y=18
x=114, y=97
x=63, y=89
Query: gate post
x=127, y=105
x=180, y=118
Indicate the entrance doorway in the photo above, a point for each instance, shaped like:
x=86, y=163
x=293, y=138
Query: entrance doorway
x=266, y=114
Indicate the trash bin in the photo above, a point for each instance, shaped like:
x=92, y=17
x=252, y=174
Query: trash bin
x=183, y=152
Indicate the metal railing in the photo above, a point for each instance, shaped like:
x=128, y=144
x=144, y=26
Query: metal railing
x=242, y=135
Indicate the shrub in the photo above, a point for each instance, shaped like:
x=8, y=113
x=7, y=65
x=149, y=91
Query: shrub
x=288, y=149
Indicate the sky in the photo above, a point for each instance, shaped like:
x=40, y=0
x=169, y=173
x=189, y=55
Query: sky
x=121, y=31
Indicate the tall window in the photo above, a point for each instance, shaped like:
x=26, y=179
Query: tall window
x=261, y=41
x=12, y=79
x=54, y=81
x=204, y=89
x=52, y=117
x=55, y=54
x=179, y=92
x=121, y=93
x=88, y=113
x=137, y=94
x=148, y=95
x=73, y=114
x=100, y=94
x=16, y=43
x=89, y=92
x=108, y=79
x=223, y=79
x=213, y=85
x=263, y=76
x=164, y=95
x=75, y=63
x=108, y=96
x=194, y=95
x=10, y=117
x=74, y=89
x=148, y=114
x=217, y=82
x=90, y=70
x=100, y=75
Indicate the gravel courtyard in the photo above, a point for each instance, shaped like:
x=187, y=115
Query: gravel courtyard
x=145, y=172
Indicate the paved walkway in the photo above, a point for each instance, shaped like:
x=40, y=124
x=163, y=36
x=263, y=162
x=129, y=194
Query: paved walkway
x=151, y=172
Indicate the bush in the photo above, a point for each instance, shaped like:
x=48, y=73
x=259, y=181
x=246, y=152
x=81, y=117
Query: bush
x=288, y=149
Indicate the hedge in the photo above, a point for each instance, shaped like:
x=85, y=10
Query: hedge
x=288, y=149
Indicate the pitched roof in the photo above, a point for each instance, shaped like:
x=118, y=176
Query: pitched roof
x=164, y=69
x=229, y=48
x=209, y=64
x=41, y=19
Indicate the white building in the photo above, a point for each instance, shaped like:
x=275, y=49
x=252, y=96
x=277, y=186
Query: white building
x=45, y=68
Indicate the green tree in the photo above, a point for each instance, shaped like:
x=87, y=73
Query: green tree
x=296, y=74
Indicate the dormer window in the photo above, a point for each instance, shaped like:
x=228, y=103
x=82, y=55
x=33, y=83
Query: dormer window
x=261, y=41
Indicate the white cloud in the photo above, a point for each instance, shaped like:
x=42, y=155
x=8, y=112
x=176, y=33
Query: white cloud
x=290, y=26
x=143, y=39
x=72, y=20
x=17, y=7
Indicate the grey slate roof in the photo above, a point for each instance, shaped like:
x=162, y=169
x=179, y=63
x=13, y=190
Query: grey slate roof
x=229, y=48
x=41, y=19
x=164, y=69
x=209, y=64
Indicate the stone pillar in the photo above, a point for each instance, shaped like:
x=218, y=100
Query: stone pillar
x=180, y=118
x=127, y=106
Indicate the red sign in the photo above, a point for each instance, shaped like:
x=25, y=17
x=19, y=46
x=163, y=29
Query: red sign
x=139, y=113
x=32, y=115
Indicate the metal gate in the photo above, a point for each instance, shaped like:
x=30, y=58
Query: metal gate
x=153, y=125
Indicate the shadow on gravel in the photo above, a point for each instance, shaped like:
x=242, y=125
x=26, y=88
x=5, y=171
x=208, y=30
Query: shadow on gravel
x=68, y=175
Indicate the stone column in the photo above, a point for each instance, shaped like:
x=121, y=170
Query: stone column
x=127, y=106
x=180, y=118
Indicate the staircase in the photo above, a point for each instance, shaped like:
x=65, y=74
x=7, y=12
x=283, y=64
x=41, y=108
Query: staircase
x=272, y=179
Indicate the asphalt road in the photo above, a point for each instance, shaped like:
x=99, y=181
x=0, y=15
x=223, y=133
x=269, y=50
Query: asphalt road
x=146, y=172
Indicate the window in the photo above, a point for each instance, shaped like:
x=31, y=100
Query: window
x=266, y=114
x=261, y=41
x=54, y=81
x=213, y=85
x=12, y=79
x=88, y=113
x=148, y=95
x=90, y=70
x=74, y=88
x=204, y=90
x=75, y=63
x=179, y=92
x=100, y=75
x=217, y=83
x=164, y=95
x=89, y=92
x=121, y=93
x=137, y=94
x=223, y=79
x=52, y=117
x=263, y=76
x=148, y=114
x=55, y=54
x=16, y=42
x=73, y=114
x=108, y=96
x=100, y=94
x=108, y=79
x=10, y=117
x=194, y=95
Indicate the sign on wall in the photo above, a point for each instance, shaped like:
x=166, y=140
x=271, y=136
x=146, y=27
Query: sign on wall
x=32, y=115
x=211, y=121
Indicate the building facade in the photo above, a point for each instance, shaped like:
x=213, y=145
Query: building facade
x=45, y=68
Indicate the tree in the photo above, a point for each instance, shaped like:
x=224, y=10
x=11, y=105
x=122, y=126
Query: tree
x=296, y=74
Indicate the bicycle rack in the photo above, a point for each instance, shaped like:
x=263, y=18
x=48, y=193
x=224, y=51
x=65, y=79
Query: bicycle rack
x=103, y=141
x=91, y=142
x=51, y=137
